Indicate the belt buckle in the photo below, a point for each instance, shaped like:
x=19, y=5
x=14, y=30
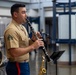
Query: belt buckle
x=24, y=61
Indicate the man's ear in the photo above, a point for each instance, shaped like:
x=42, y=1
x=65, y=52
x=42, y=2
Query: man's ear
x=15, y=14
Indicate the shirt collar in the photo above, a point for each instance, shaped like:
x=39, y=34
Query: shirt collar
x=15, y=22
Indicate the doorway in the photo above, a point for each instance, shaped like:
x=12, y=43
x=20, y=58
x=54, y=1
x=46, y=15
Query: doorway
x=49, y=26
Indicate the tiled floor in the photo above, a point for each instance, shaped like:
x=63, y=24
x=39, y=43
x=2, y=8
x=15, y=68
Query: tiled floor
x=35, y=64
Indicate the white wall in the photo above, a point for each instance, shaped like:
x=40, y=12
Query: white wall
x=40, y=0
x=73, y=27
x=63, y=30
x=65, y=55
x=48, y=13
x=63, y=27
x=5, y=11
x=32, y=13
x=20, y=1
x=65, y=0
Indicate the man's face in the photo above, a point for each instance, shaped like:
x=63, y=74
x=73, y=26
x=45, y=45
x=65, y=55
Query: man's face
x=21, y=15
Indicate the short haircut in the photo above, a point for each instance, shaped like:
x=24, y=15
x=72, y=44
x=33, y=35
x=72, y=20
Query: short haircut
x=15, y=8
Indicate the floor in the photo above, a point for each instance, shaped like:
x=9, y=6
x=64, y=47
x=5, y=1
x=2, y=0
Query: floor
x=50, y=67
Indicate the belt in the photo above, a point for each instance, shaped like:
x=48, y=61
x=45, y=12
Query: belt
x=18, y=61
x=23, y=61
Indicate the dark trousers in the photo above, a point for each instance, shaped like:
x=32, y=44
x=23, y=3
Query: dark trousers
x=15, y=68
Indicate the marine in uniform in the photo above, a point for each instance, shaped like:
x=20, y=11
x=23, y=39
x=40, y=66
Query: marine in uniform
x=18, y=45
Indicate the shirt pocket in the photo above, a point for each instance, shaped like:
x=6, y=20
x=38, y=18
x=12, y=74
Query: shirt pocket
x=24, y=41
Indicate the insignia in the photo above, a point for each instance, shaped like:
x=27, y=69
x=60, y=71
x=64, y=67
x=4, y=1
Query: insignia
x=10, y=37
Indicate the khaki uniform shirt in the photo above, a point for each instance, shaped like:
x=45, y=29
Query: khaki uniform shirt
x=16, y=36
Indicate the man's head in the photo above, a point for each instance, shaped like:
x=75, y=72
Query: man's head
x=15, y=8
x=18, y=12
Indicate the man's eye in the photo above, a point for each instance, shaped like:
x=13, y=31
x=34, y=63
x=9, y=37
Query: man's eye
x=24, y=12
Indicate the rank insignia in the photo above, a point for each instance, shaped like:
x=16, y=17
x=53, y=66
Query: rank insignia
x=10, y=37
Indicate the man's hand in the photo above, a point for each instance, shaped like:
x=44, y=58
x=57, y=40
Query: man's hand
x=38, y=43
x=34, y=38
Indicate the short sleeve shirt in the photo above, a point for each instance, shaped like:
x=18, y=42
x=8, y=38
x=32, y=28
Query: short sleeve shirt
x=16, y=36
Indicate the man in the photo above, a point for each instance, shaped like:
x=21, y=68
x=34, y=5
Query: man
x=17, y=43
